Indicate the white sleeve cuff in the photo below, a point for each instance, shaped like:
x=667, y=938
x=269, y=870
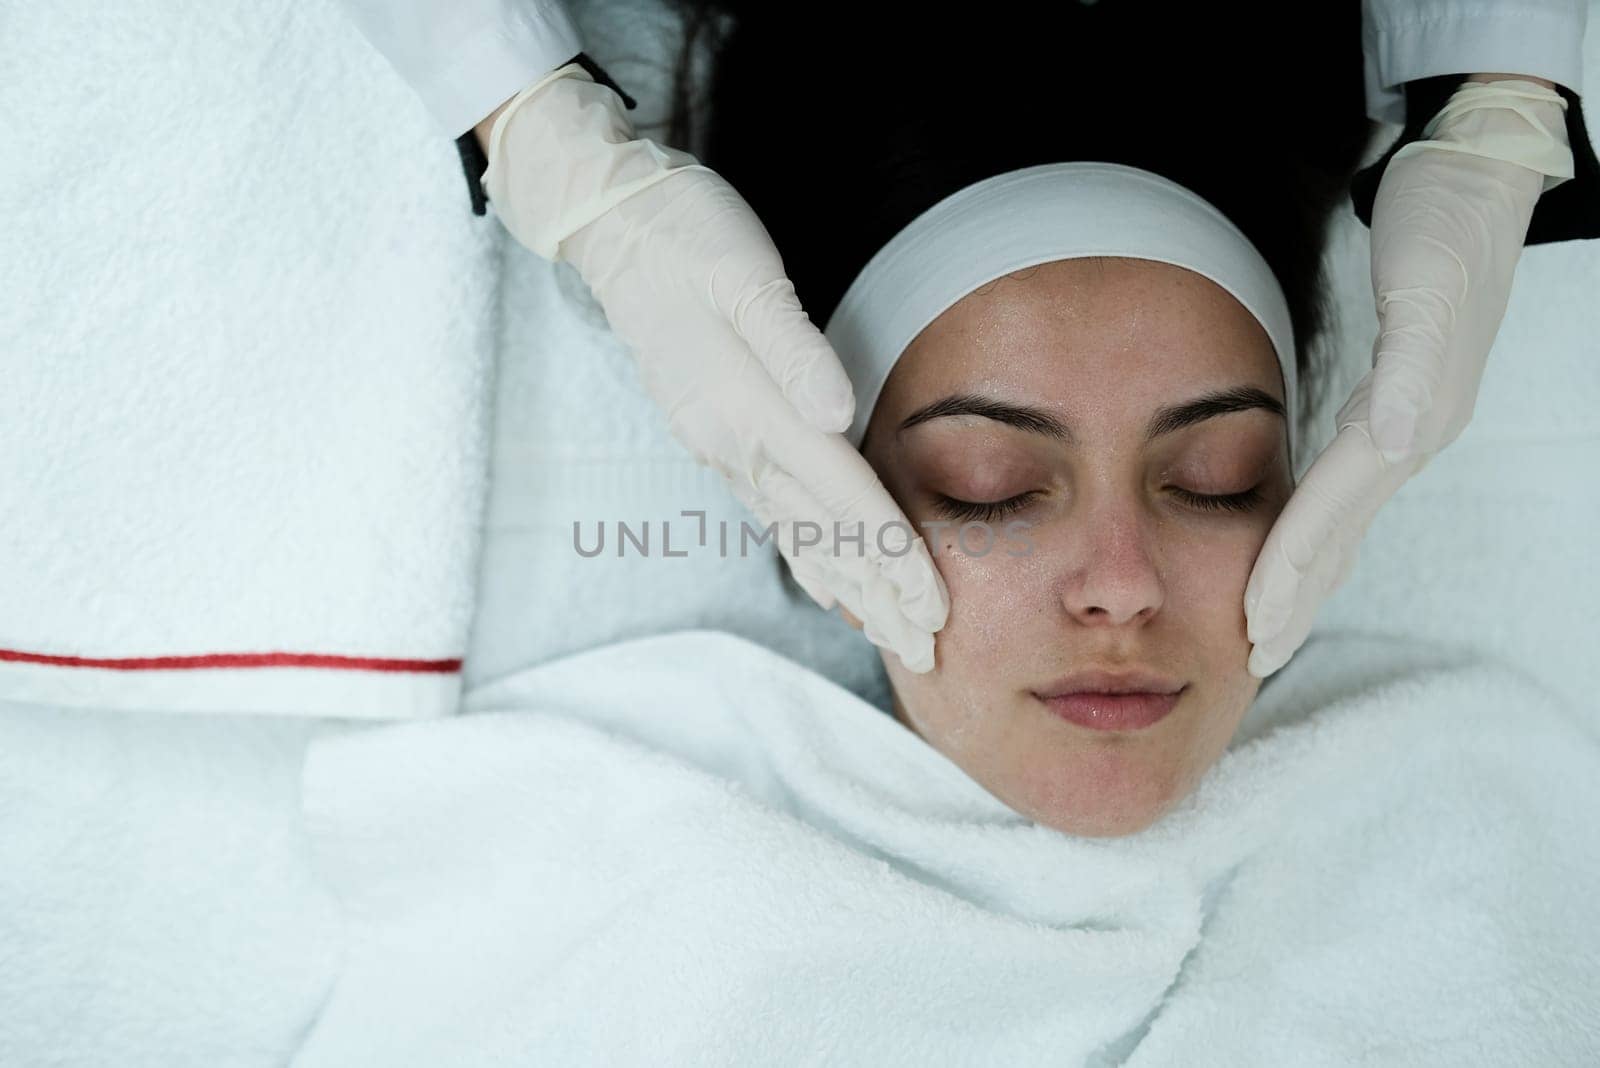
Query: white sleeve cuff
x=1402, y=42
x=467, y=78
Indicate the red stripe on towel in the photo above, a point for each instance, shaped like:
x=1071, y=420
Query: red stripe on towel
x=235, y=660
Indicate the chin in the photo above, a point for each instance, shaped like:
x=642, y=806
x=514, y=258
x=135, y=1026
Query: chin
x=1105, y=798
x=1102, y=824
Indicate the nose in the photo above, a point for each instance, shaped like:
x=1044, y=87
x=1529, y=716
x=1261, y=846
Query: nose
x=1108, y=573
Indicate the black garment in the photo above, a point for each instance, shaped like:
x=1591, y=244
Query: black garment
x=1569, y=212
x=473, y=160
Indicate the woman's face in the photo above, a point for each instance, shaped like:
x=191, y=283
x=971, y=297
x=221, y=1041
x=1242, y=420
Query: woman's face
x=1050, y=411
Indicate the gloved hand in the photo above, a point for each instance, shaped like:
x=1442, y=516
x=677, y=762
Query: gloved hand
x=690, y=280
x=1448, y=226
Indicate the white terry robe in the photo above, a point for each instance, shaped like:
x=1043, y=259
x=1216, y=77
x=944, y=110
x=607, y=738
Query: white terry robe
x=686, y=849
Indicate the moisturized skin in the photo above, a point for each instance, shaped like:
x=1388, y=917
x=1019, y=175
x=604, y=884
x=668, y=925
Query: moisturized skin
x=1116, y=567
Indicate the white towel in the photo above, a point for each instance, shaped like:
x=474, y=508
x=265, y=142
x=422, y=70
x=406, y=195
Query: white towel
x=158, y=907
x=245, y=343
x=688, y=850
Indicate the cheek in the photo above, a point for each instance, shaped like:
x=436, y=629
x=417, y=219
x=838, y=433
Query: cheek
x=997, y=603
x=1208, y=564
x=999, y=588
x=1210, y=571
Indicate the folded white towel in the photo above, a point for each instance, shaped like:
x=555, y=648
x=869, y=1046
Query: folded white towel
x=688, y=850
x=158, y=907
x=246, y=339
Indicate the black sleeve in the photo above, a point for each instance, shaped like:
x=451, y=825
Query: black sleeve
x=473, y=160
x=1569, y=212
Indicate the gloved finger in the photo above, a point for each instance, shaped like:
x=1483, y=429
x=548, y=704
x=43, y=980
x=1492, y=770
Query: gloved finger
x=873, y=604
x=929, y=608
x=811, y=578
x=1323, y=576
x=846, y=489
x=873, y=601
x=1332, y=506
x=724, y=403
x=728, y=447
x=1408, y=368
x=1341, y=476
x=887, y=547
x=779, y=507
x=882, y=608
x=743, y=426
x=886, y=627
x=856, y=580
x=808, y=574
x=739, y=485
x=1347, y=564
x=1263, y=662
x=1334, y=503
x=796, y=355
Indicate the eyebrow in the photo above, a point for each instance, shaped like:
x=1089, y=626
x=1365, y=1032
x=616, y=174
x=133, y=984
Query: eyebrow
x=1038, y=421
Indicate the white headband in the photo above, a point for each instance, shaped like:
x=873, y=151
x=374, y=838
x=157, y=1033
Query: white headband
x=1055, y=211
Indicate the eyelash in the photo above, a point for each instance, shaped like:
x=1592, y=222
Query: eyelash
x=1229, y=502
x=980, y=511
x=989, y=511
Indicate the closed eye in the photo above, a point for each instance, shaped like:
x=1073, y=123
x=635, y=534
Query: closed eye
x=990, y=511
x=1230, y=502
x=980, y=511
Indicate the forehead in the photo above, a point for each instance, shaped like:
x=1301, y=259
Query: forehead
x=1087, y=333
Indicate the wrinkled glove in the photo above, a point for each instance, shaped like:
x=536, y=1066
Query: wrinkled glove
x=690, y=281
x=1448, y=226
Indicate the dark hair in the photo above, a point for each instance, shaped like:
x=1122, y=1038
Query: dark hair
x=839, y=129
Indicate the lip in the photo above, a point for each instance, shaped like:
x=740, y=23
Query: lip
x=1112, y=700
x=1113, y=711
x=1102, y=680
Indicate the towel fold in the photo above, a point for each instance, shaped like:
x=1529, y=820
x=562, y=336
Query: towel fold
x=689, y=850
x=246, y=343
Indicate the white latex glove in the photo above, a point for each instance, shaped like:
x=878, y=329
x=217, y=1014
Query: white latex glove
x=1448, y=225
x=690, y=280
